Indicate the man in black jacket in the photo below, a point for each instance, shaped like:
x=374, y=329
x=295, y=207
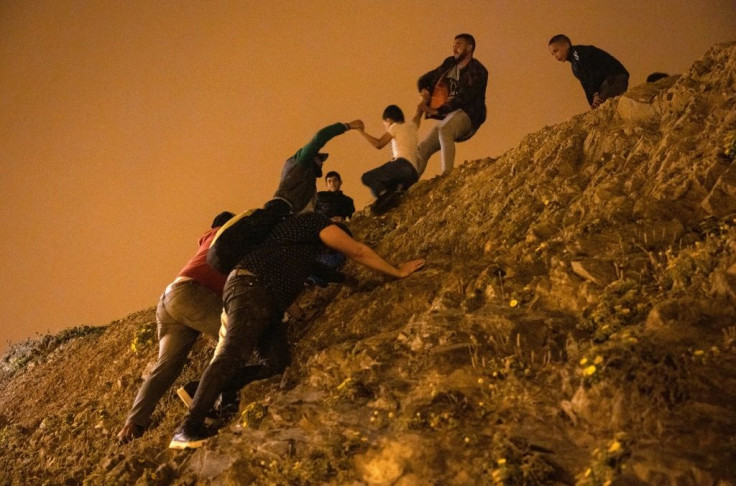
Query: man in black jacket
x=601, y=74
x=454, y=93
x=333, y=203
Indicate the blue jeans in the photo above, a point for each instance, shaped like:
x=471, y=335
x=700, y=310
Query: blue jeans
x=183, y=313
x=253, y=324
x=389, y=176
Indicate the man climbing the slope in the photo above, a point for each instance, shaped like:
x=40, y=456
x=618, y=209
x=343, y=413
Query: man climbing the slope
x=263, y=284
x=189, y=306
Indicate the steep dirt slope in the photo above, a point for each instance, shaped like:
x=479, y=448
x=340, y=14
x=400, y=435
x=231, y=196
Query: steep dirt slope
x=576, y=323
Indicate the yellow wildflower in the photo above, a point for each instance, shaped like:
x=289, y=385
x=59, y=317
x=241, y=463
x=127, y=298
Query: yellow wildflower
x=598, y=359
x=514, y=303
x=615, y=447
x=590, y=370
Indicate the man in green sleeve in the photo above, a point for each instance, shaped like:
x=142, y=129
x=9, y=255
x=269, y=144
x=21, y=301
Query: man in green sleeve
x=298, y=186
x=296, y=192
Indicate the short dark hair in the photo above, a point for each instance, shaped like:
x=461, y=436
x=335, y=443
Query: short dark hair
x=333, y=173
x=393, y=112
x=559, y=38
x=656, y=77
x=467, y=38
x=222, y=218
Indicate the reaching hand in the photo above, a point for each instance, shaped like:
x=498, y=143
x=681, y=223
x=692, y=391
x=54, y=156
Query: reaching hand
x=407, y=268
x=357, y=125
x=597, y=100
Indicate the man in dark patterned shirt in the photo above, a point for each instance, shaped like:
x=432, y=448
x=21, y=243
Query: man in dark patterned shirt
x=262, y=285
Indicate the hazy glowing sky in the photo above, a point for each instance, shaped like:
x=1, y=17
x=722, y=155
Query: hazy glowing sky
x=125, y=126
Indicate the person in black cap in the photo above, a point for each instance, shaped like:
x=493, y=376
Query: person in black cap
x=296, y=193
x=298, y=185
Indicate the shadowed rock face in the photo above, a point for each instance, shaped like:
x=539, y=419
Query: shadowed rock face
x=576, y=322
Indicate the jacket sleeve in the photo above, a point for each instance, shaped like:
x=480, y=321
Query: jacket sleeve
x=351, y=207
x=429, y=80
x=306, y=154
x=474, y=89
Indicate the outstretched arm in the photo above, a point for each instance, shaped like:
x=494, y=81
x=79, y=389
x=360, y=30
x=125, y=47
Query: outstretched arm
x=379, y=143
x=335, y=238
x=306, y=154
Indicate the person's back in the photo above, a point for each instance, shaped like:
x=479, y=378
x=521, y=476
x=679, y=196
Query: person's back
x=601, y=75
x=189, y=306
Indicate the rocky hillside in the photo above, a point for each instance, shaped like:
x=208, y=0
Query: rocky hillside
x=575, y=324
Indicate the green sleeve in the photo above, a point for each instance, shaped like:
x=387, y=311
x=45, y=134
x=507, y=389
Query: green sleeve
x=306, y=154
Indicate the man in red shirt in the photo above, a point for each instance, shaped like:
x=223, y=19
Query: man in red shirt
x=189, y=306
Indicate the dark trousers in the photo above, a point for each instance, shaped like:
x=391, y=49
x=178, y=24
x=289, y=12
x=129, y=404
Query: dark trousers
x=254, y=324
x=614, y=86
x=395, y=174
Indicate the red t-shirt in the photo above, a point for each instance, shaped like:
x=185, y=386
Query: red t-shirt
x=198, y=269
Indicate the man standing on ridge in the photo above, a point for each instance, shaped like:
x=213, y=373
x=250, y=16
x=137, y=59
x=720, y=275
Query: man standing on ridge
x=601, y=74
x=454, y=93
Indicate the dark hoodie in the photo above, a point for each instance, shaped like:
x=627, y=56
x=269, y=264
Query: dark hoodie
x=592, y=66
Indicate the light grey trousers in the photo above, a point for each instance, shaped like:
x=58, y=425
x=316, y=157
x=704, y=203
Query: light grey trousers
x=453, y=128
x=184, y=311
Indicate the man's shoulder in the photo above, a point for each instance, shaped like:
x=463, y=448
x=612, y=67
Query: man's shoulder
x=585, y=49
x=397, y=130
x=341, y=195
x=477, y=65
x=448, y=62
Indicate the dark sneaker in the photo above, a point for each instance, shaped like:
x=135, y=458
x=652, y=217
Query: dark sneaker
x=385, y=202
x=188, y=436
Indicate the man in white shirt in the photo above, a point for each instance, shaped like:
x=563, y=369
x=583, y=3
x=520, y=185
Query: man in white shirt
x=389, y=180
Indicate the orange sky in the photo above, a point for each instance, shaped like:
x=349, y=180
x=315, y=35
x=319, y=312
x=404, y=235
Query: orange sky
x=126, y=126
